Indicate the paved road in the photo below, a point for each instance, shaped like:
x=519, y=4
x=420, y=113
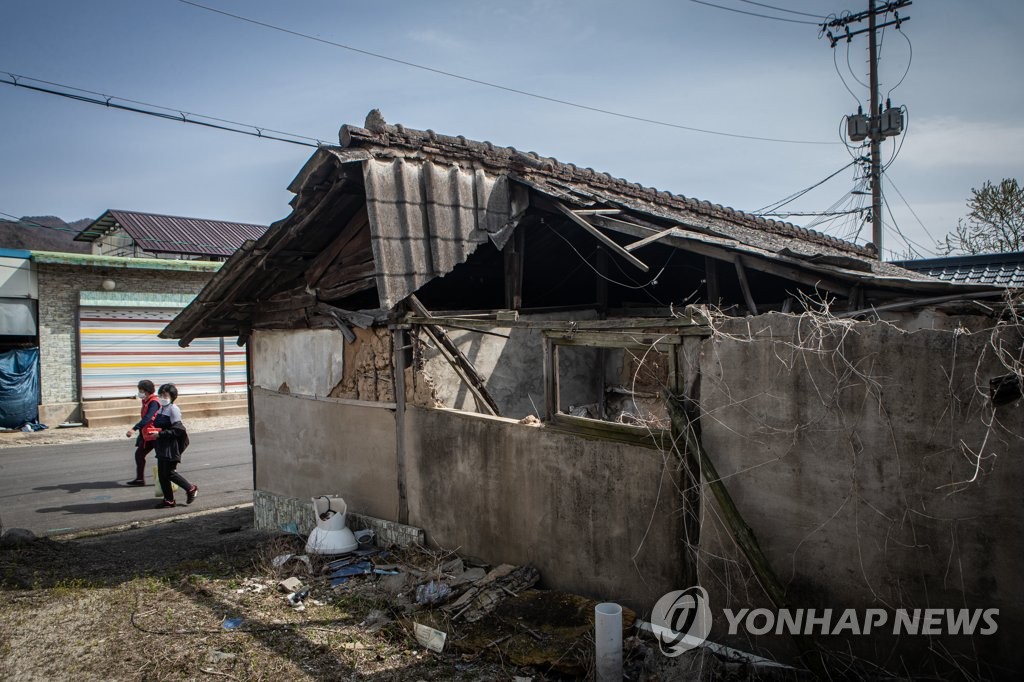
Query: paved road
x=60, y=488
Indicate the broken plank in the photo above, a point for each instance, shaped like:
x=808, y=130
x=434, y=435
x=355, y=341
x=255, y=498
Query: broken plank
x=463, y=367
x=670, y=232
x=741, y=273
x=601, y=237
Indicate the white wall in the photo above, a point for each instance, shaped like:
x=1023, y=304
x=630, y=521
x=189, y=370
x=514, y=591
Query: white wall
x=310, y=361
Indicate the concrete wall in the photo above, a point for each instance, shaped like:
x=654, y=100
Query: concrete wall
x=842, y=447
x=594, y=517
x=307, y=447
x=58, y=306
x=285, y=360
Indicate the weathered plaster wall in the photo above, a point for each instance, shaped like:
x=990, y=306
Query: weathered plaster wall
x=594, y=517
x=842, y=446
x=308, y=361
x=307, y=447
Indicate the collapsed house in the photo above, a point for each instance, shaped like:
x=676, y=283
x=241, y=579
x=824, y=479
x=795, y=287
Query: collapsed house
x=631, y=390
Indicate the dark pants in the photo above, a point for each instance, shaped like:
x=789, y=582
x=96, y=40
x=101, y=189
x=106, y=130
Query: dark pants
x=142, y=448
x=165, y=470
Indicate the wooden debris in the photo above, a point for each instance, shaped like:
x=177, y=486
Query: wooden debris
x=484, y=595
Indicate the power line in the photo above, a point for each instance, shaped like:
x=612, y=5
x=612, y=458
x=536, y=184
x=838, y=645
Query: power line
x=754, y=14
x=181, y=117
x=497, y=86
x=910, y=208
x=783, y=9
x=157, y=106
x=776, y=205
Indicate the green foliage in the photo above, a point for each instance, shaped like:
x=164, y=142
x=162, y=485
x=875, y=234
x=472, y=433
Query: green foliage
x=995, y=223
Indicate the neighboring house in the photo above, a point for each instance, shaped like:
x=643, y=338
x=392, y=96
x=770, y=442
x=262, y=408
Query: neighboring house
x=994, y=269
x=149, y=235
x=429, y=297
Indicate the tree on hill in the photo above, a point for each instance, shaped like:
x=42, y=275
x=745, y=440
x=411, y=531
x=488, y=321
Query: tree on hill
x=43, y=233
x=994, y=224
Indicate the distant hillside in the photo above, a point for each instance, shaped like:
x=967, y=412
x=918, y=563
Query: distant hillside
x=26, y=234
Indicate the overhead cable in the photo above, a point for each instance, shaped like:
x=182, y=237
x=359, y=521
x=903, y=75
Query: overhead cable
x=497, y=86
x=755, y=14
x=180, y=116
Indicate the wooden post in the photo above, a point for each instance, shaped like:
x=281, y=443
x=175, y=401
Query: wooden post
x=684, y=416
x=711, y=279
x=741, y=272
x=398, y=343
x=514, y=258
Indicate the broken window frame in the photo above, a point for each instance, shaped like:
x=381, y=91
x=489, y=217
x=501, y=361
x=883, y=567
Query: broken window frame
x=668, y=343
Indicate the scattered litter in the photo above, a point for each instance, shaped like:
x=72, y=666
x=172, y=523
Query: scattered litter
x=282, y=560
x=530, y=420
x=233, y=623
x=216, y=656
x=470, y=576
x=365, y=538
x=358, y=646
x=385, y=571
x=339, y=581
x=375, y=620
x=295, y=599
x=429, y=637
x=290, y=527
x=358, y=568
x=250, y=585
x=292, y=584
x=433, y=592
x=69, y=425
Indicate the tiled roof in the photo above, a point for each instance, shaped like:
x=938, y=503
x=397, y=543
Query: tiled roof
x=996, y=269
x=174, y=234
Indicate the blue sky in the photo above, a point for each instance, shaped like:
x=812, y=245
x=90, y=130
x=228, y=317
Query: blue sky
x=680, y=62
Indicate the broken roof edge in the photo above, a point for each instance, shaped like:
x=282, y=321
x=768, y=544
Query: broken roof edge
x=380, y=134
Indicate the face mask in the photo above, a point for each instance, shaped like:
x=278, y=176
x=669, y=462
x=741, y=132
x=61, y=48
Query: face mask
x=142, y=395
x=165, y=401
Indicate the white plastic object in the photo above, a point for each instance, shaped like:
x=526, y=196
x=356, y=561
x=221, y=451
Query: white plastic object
x=331, y=535
x=608, y=642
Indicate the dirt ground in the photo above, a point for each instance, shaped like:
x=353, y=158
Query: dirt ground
x=54, y=436
x=155, y=601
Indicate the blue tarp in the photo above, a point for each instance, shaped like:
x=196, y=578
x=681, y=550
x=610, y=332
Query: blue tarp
x=19, y=387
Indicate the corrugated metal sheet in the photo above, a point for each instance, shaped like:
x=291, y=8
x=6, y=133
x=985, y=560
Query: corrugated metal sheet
x=174, y=234
x=997, y=269
x=426, y=218
x=119, y=347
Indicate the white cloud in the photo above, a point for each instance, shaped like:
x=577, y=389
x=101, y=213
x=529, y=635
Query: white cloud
x=948, y=142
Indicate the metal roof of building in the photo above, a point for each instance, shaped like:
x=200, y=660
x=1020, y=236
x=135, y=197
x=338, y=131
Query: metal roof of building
x=174, y=234
x=996, y=269
x=89, y=260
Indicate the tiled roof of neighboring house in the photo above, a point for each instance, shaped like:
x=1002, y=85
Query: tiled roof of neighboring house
x=996, y=269
x=174, y=234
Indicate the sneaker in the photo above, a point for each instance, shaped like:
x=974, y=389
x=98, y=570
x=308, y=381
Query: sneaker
x=137, y=481
x=165, y=504
x=190, y=494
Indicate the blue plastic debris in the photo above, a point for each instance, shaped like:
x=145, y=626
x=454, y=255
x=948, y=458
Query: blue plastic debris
x=233, y=623
x=290, y=527
x=339, y=581
x=360, y=568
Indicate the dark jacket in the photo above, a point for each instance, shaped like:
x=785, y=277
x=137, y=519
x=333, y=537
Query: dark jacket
x=172, y=439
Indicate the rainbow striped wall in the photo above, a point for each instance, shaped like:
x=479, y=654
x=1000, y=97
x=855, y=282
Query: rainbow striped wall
x=119, y=346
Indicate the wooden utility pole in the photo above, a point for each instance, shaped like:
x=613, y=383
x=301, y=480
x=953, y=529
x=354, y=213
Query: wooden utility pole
x=873, y=132
x=877, y=124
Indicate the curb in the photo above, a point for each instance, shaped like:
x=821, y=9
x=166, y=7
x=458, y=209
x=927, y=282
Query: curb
x=136, y=525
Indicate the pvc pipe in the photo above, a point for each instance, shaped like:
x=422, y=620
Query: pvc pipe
x=608, y=642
